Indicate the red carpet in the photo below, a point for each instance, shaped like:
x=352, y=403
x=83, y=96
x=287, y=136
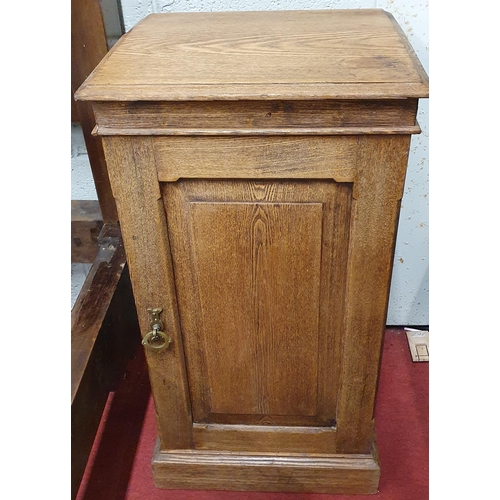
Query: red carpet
x=120, y=464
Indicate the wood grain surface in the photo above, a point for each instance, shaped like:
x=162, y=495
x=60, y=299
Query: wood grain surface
x=256, y=157
x=377, y=194
x=247, y=254
x=287, y=54
x=254, y=117
x=104, y=335
x=264, y=438
x=258, y=271
x=142, y=217
x=346, y=474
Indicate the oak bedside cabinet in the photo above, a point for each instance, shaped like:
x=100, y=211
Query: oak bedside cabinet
x=258, y=162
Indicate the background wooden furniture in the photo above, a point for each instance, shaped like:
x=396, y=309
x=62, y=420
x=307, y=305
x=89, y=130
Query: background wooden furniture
x=104, y=335
x=258, y=163
x=95, y=27
x=104, y=328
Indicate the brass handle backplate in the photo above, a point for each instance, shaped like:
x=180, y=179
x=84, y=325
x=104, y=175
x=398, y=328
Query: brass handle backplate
x=156, y=339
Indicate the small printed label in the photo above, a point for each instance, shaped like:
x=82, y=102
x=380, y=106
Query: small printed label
x=418, y=334
x=418, y=342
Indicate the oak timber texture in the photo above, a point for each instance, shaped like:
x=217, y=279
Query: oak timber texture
x=286, y=55
x=375, y=212
x=264, y=438
x=250, y=310
x=346, y=474
x=259, y=269
x=255, y=117
x=142, y=217
x=256, y=157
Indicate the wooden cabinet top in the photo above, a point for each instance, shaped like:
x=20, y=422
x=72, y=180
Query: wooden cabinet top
x=329, y=54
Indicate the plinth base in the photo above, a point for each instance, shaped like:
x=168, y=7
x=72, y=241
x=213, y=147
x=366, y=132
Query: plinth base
x=213, y=470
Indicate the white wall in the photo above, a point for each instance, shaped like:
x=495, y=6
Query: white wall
x=82, y=182
x=409, y=300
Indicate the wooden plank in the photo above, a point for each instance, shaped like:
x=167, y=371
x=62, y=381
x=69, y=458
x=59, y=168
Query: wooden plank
x=387, y=130
x=197, y=56
x=176, y=118
x=271, y=91
x=86, y=225
x=264, y=438
x=88, y=47
x=256, y=157
x=104, y=335
x=143, y=222
x=334, y=474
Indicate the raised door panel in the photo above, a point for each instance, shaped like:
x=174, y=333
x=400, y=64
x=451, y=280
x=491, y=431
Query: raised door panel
x=259, y=272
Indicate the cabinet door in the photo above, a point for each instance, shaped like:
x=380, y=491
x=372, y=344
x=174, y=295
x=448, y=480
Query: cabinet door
x=259, y=270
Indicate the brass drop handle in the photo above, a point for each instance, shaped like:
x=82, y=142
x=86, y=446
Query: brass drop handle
x=156, y=339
